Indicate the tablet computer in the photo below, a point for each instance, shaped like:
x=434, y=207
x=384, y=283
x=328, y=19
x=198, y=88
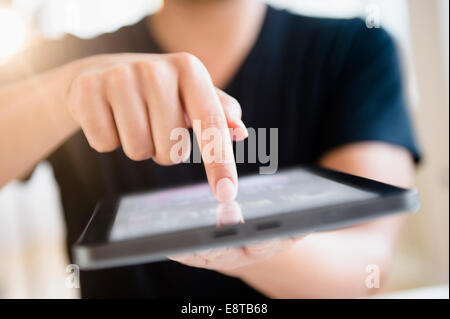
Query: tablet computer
x=148, y=226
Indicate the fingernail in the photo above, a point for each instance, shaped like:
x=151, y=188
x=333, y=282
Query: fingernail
x=225, y=190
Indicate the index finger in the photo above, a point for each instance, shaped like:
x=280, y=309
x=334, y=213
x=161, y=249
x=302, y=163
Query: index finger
x=209, y=124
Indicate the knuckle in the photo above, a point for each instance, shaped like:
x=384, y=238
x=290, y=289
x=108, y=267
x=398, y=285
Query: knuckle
x=152, y=68
x=163, y=156
x=144, y=68
x=188, y=61
x=138, y=152
x=171, y=152
x=117, y=75
x=105, y=145
x=186, y=57
x=86, y=83
x=82, y=88
x=163, y=160
x=155, y=73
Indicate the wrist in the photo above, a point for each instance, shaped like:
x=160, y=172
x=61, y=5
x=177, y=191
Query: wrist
x=53, y=89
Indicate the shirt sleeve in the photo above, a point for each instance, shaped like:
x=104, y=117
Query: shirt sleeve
x=367, y=102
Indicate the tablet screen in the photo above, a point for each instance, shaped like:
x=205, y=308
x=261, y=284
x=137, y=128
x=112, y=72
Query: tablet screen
x=194, y=206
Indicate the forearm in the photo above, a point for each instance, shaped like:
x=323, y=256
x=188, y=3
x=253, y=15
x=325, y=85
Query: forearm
x=334, y=264
x=33, y=121
x=326, y=265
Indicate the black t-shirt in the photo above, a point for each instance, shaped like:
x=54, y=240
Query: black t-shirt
x=322, y=82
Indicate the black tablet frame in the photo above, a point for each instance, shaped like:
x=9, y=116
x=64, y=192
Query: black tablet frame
x=94, y=250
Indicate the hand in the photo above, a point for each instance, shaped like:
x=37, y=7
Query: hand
x=136, y=100
x=231, y=260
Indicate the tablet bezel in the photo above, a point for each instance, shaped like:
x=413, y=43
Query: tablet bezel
x=95, y=250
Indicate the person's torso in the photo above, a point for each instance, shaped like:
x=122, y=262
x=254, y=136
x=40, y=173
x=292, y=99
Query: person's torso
x=281, y=84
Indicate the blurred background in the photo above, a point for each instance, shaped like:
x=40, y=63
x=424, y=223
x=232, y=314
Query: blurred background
x=32, y=256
